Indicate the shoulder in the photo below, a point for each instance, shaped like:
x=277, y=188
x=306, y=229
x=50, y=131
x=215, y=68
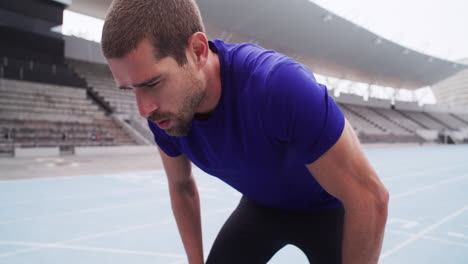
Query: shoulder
x=295, y=103
x=247, y=59
x=290, y=83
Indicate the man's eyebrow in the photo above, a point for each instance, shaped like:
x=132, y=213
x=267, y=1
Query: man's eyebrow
x=146, y=83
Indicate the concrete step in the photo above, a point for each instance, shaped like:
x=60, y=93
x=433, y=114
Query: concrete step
x=45, y=110
x=43, y=97
x=55, y=117
x=32, y=124
x=36, y=88
x=6, y=102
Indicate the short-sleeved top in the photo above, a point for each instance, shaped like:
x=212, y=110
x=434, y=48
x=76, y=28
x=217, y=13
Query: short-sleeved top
x=272, y=119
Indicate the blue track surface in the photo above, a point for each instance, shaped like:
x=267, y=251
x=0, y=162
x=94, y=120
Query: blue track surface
x=126, y=218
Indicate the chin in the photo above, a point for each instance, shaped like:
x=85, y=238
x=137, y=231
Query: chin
x=177, y=131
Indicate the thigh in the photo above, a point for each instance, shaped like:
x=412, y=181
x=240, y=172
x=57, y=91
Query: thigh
x=248, y=237
x=320, y=236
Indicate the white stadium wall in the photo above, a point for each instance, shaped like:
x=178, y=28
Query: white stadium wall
x=453, y=90
x=83, y=50
x=408, y=106
x=350, y=99
x=379, y=103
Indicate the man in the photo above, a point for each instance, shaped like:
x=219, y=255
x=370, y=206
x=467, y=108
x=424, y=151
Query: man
x=257, y=120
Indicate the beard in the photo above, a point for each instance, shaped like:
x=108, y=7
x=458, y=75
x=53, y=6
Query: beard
x=182, y=119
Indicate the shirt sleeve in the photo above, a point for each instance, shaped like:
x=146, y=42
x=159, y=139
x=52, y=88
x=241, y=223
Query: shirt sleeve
x=163, y=141
x=303, y=115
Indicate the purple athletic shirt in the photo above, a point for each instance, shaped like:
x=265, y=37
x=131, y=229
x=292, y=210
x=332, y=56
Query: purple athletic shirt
x=273, y=118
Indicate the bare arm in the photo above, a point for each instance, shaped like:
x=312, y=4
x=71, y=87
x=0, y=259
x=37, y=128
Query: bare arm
x=345, y=172
x=185, y=204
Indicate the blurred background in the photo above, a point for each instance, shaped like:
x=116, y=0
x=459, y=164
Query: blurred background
x=398, y=70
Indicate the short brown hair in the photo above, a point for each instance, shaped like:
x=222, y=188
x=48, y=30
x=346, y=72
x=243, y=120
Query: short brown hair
x=167, y=24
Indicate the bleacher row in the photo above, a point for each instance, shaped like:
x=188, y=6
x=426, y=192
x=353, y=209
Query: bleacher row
x=374, y=124
x=46, y=115
x=99, y=77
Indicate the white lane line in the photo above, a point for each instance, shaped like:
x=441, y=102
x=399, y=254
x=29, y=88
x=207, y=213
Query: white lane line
x=423, y=232
x=429, y=186
x=83, y=248
x=77, y=197
x=402, y=222
x=447, y=241
x=425, y=172
x=444, y=241
x=118, y=231
x=459, y=235
x=48, y=178
x=182, y=261
x=37, y=246
x=86, y=211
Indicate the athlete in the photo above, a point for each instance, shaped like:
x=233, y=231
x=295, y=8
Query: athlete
x=257, y=120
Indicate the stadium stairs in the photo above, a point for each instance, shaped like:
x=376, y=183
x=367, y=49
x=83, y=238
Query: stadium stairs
x=122, y=101
x=414, y=120
x=460, y=118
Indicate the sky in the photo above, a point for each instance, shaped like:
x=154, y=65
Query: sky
x=435, y=27
x=82, y=26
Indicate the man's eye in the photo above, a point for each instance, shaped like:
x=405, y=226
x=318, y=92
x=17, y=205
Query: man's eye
x=153, y=84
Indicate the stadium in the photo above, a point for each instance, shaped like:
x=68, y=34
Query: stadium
x=63, y=118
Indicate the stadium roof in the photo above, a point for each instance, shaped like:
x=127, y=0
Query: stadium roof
x=333, y=45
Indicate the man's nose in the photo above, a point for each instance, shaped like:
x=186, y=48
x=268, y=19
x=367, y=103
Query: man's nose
x=146, y=105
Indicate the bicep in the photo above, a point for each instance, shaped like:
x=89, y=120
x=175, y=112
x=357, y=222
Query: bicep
x=344, y=170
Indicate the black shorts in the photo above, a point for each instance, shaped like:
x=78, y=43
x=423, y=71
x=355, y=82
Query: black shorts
x=254, y=233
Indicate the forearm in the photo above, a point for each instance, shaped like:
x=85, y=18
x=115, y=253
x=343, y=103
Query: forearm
x=364, y=226
x=186, y=208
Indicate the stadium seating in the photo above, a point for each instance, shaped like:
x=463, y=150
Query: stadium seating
x=385, y=123
x=361, y=123
x=425, y=120
x=376, y=125
x=449, y=120
x=99, y=78
x=399, y=119
x=141, y=125
x=35, y=114
x=462, y=117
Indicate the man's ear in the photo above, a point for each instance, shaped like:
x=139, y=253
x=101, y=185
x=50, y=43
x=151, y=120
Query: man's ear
x=198, y=48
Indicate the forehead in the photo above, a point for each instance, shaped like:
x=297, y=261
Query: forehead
x=139, y=65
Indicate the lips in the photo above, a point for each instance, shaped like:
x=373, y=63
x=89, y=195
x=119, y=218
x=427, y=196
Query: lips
x=163, y=124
